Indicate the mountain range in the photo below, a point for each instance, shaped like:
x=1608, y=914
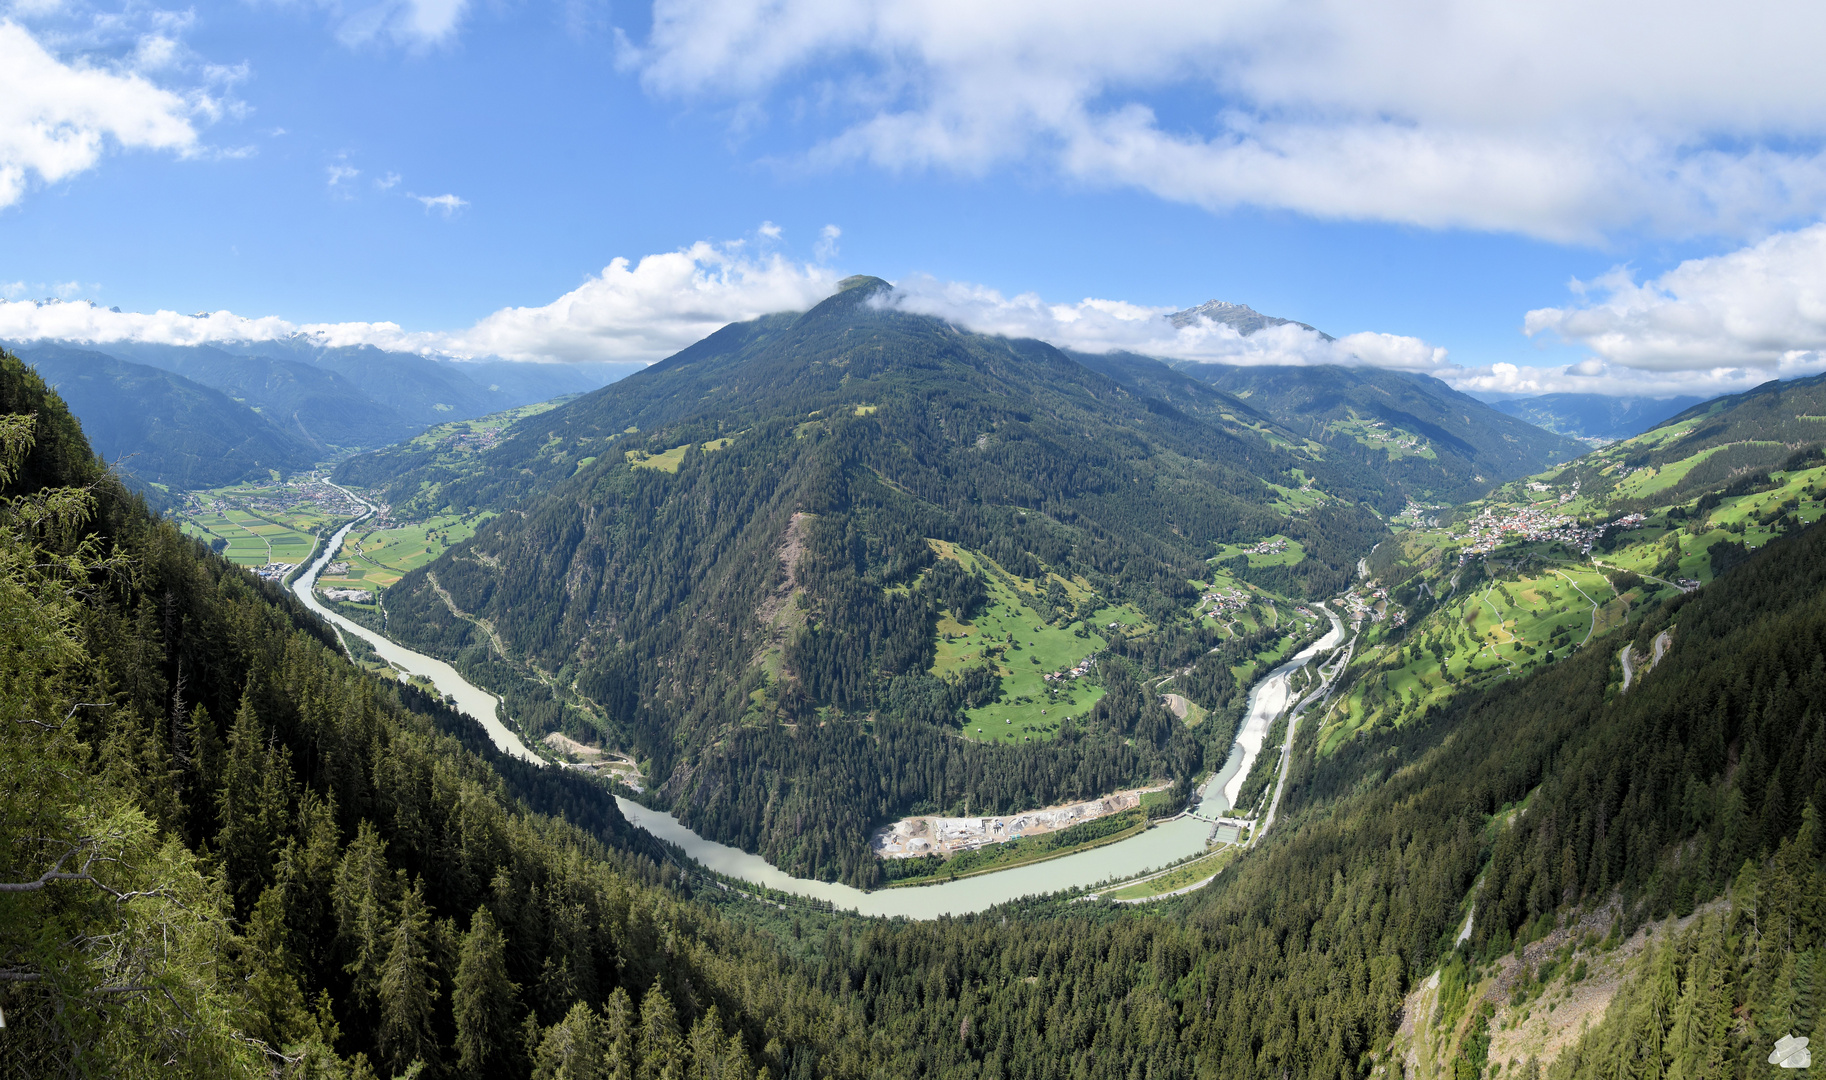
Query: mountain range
x=278, y=404
x=231, y=852
x=770, y=526
x=1594, y=416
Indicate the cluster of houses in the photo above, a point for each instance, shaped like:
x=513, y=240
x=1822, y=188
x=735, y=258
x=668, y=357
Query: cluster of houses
x=352, y=596
x=1078, y=671
x=1224, y=601
x=1267, y=547
x=1380, y=432
x=1372, y=602
x=910, y=838
x=275, y=571
x=1488, y=530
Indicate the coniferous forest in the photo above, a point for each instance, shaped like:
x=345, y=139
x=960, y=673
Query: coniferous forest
x=225, y=850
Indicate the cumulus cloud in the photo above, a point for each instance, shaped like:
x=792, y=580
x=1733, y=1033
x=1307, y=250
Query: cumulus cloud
x=57, y=118
x=632, y=311
x=646, y=310
x=651, y=309
x=1096, y=325
x=1761, y=307
x=1565, y=119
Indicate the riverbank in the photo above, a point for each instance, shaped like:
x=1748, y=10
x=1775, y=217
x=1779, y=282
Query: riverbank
x=1120, y=858
x=1026, y=850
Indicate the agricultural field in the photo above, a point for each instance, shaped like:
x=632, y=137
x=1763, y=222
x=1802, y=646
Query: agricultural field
x=1492, y=629
x=376, y=558
x=667, y=461
x=1488, y=609
x=1272, y=551
x=1376, y=435
x=256, y=524
x=1011, y=633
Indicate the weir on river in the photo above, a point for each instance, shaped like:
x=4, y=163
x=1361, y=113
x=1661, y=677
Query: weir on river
x=1166, y=842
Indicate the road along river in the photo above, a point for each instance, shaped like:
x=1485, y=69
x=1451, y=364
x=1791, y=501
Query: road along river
x=1167, y=842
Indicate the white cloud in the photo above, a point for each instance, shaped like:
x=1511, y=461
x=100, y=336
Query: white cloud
x=651, y=309
x=56, y=118
x=826, y=248
x=641, y=311
x=1761, y=309
x=770, y=231
x=340, y=173
x=647, y=310
x=444, y=204
x=1094, y=325
x=387, y=182
x=1564, y=119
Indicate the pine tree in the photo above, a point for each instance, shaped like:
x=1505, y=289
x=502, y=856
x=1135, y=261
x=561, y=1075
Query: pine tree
x=361, y=898
x=662, y=1051
x=483, y=999
x=572, y=1049
x=250, y=798
x=619, y=1060
x=408, y=986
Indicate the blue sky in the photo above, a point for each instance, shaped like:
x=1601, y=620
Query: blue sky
x=1423, y=183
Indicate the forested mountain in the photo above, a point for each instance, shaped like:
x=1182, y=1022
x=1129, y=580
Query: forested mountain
x=1595, y=416
x=316, y=404
x=164, y=428
x=274, y=865
x=739, y=555
x=226, y=852
x=1434, y=443
x=324, y=400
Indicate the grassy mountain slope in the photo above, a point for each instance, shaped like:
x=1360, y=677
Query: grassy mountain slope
x=1386, y=481
x=1539, y=566
x=164, y=428
x=1432, y=442
x=731, y=551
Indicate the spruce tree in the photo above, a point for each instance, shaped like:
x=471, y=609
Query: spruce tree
x=662, y=1050
x=483, y=998
x=361, y=898
x=408, y=986
x=619, y=1061
x=572, y=1049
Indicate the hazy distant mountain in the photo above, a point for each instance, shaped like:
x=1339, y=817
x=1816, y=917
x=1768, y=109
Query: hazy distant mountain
x=317, y=404
x=1245, y=319
x=324, y=402
x=1594, y=416
x=162, y=427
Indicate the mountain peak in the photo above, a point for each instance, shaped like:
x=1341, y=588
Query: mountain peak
x=1244, y=319
x=862, y=281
